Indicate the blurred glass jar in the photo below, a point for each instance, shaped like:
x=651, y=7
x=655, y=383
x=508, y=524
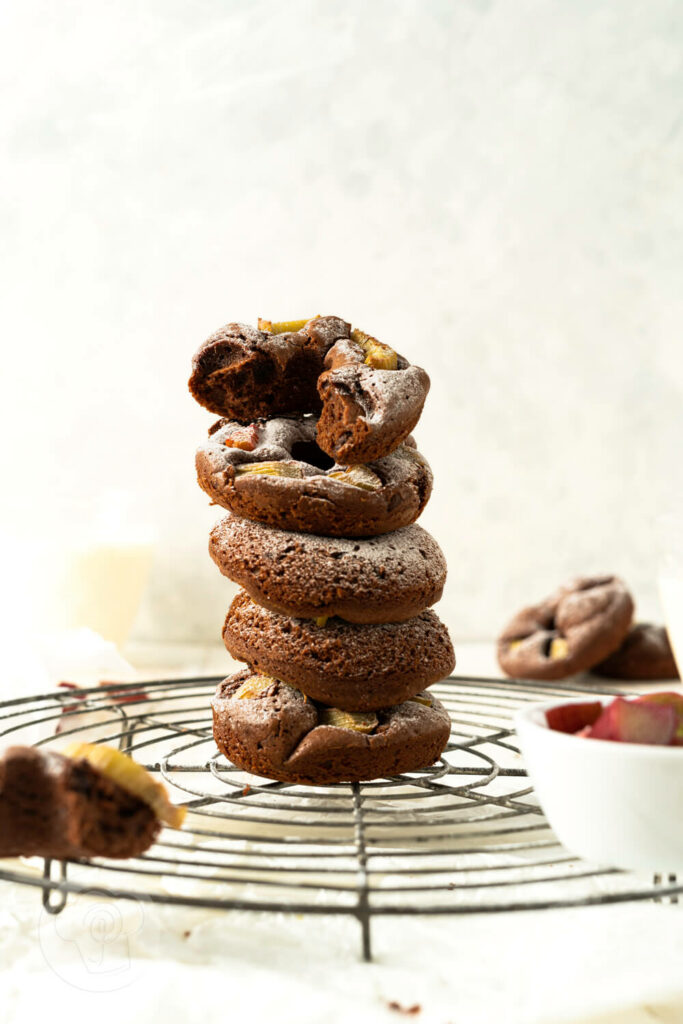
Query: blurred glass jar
x=670, y=578
x=91, y=574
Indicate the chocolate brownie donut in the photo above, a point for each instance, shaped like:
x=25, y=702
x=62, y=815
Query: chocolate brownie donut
x=63, y=807
x=357, y=668
x=644, y=654
x=271, y=729
x=572, y=630
x=274, y=472
x=389, y=578
x=370, y=397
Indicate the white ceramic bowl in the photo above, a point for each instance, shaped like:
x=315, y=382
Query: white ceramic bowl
x=616, y=804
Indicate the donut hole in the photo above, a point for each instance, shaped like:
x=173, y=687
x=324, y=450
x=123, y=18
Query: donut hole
x=547, y=644
x=308, y=451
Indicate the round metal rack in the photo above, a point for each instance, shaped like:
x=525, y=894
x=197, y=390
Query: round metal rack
x=464, y=836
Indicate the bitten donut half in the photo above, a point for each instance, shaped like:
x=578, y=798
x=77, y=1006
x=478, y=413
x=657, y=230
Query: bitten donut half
x=575, y=628
x=356, y=668
x=271, y=729
x=274, y=472
x=389, y=578
x=369, y=397
x=87, y=801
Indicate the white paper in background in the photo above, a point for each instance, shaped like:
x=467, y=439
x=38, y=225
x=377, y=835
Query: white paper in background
x=36, y=663
x=81, y=656
x=177, y=964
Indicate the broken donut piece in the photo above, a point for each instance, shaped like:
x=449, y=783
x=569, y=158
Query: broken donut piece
x=245, y=373
x=92, y=801
x=371, y=398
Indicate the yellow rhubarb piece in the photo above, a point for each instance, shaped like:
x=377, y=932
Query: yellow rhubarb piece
x=559, y=648
x=357, y=721
x=129, y=775
x=321, y=620
x=377, y=354
x=282, y=326
x=422, y=698
x=357, y=476
x=270, y=469
x=254, y=686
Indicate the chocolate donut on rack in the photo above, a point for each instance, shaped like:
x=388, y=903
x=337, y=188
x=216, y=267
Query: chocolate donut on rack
x=270, y=728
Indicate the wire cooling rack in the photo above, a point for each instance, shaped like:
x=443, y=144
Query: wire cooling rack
x=464, y=836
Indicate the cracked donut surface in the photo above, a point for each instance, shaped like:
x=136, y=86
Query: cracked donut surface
x=274, y=472
x=281, y=734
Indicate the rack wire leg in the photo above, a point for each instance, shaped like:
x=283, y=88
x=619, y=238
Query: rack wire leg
x=366, y=940
x=58, y=905
x=361, y=853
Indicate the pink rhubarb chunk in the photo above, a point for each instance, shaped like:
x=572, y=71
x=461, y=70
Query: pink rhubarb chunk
x=573, y=717
x=635, y=722
x=669, y=699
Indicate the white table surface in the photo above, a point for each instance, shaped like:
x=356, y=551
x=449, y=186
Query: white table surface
x=604, y=964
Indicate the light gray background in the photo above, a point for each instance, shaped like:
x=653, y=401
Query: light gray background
x=494, y=188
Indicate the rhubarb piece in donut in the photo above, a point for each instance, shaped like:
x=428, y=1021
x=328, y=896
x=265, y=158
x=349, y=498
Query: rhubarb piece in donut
x=578, y=626
x=645, y=654
x=274, y=472
x=271, y=729
x=358, y=668
x=389, y=578
x=90, y=801
x=371, y=397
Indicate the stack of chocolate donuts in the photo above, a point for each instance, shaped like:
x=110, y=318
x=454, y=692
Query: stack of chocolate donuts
x=314, y=461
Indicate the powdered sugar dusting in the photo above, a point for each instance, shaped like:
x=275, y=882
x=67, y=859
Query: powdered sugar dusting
x=327, y=329
x=410, y=552
x=277, y=436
